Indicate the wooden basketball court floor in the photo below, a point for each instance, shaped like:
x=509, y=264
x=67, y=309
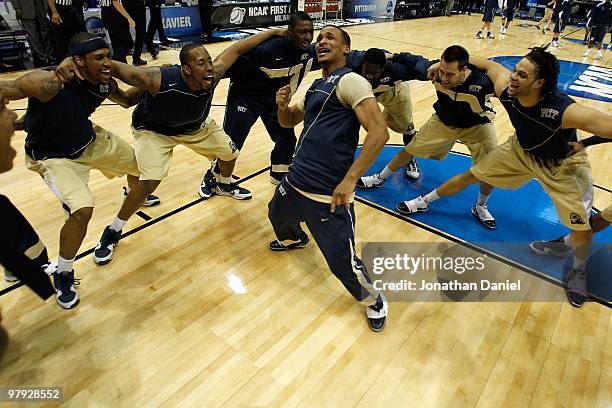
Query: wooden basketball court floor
x=195, y=311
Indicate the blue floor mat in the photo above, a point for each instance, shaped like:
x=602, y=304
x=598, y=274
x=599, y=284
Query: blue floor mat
x=522, y=216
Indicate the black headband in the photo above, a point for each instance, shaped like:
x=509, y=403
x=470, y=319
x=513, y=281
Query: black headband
x=88, y=46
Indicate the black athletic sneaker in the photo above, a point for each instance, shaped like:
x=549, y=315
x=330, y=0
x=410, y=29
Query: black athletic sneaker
x=233, y=190
x=412, y=169
x=152, y=200
x=376, y=315
x=207, y=186
x=103, y=253
x=65, y=293
x=576, y=291
x=277, y=246
x=555, y=247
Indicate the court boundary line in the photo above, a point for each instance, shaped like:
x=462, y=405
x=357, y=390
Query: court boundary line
x=367, y=203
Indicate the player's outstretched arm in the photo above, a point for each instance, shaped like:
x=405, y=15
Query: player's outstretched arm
x=288, y=116
x=227, y=58
x=499, y=75
x=147, y=79
x=42, y=85
x=371, y=118
x=590, y=120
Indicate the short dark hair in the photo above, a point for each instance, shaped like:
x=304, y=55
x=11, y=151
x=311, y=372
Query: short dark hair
x=547, y=67
x=456, y=53
x=345, y=36
x=80, y=38
x=186, y=51
x=375, y=56
x=297, y=17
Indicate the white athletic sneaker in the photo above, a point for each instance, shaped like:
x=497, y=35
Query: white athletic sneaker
x=412, y=169
x=599, y=55
x=418, y=204
x=586, y=53
x=370, y=181
x=481, y=212
x=376, y=316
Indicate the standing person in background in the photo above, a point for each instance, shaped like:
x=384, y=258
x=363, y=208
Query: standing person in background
x=589, y=24
x=545, y=21
x=561, y=15
x=601, y=20
x=449, y=7
x=136, y=10
x=155, y=24
x=487, y=19
x=32, y=15
x=66, y=21
x=117, y=22
x=205, y=16
x=507, y=15
x=466, y=7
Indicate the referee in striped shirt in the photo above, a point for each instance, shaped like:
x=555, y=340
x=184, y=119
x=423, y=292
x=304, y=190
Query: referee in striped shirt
x=117, y=22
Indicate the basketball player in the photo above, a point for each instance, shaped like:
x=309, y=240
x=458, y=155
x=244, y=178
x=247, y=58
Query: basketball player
x=15, y=254
x=545, y=21
x=389, y=83
x=62, y=145
x=561, y=15
x=463, y=112
x=174, y=110
x=545, y=120
x=601, y=21
x=487, y=19
x=561, y=247
x=254, y=80
x=320, y=185
x=508, y=15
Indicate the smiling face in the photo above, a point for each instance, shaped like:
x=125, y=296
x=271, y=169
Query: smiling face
x=330, y=46
x=96, y=65
x=301, y=35
x=524, y=79
x=199, y=67
x=450, y=74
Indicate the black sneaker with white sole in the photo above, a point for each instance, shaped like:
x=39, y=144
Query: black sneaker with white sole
x=482, y=214
x=412, y=170
x=415, y=205
x=373, y=181
x=376, y=315
x=576, y=289
x=65, y=293
x=277, y=246
x=103, y=253
x=207, y=186
x=150, y=201
x=555, y=247
x=233, y=190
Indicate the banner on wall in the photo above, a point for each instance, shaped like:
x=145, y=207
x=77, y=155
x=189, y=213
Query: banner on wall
x=363, y=8
x=385, y=8
x=248, y=15
x=181, y=21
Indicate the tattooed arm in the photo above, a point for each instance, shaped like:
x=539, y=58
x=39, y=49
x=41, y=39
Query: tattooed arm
x=42, y=85
x=146, y=79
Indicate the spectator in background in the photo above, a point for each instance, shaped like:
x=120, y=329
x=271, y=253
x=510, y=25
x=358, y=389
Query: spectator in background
x=136, y=10
x=548, y=12
x=205, y=16
x=466, y=7
x=66, y=21
x=32, y=15
x=155, y=23
x=117, y=22
x=449, y=7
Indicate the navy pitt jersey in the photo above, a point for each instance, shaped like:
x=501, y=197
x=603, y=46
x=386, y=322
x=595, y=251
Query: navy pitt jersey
x=403, y=67
x=60, y=127
x=468, y=104
x=538, y=128
x=327, y=145
x=176, y=109
x=270, y=66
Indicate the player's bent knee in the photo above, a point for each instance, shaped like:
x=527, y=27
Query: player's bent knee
x=82, y=215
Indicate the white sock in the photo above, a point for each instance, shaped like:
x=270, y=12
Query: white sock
x=432, y=196
x=64, y=265
x=567, y=240
x=579, y=263
x=117, y=224
x=482, y=199
x=385, y=173
x=225, y=180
